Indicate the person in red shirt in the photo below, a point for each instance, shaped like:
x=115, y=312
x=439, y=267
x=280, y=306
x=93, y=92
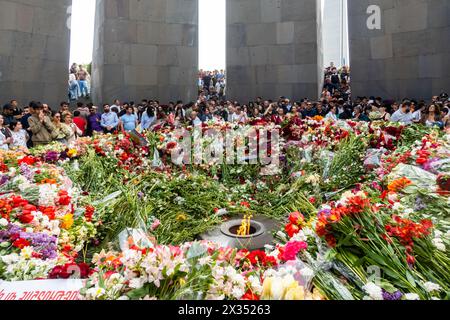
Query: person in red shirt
x=80, y=121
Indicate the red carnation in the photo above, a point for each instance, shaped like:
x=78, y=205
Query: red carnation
x=26, y=218
x=292, y=229
x=296, y=218
x=249, y=295
x=21, y=243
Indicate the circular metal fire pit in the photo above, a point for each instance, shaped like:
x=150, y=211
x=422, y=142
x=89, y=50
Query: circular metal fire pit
x=261, y=229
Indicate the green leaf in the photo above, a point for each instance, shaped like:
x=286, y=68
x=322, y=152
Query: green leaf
x=137, y=293
x=411, y=279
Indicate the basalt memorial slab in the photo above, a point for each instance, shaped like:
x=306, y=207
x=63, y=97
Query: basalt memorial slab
x=34, y=50
x=399, y=48
x=274, y=48
x=145, y=49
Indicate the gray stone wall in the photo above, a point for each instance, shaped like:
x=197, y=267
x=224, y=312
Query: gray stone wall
x=145, y=49
x=408, y=57
x=274, y=48
x=34, y=50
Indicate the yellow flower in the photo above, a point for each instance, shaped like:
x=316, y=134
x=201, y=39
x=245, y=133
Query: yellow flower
x=295, y=293
x=181, y=217
x=26, y=252
x=72, y=153
x=267, y=289
x=67, y=221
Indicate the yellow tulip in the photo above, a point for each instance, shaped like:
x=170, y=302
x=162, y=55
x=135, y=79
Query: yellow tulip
x=267, y=289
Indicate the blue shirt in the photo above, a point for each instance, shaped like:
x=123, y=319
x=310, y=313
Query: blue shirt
x=147, y=121
x=129, y=122
x=109, y=120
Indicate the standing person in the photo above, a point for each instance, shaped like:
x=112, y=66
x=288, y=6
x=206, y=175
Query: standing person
x=5, y=135
x=94, y=119
x=46, y=109
x=239, y=116
x=19, y=136
x=80, y=122
x=207, y=81
x=26, y=125
x=40, y=125
x=359, y=115
x=129, y=121
x=64, y=107
x=8, y=114
x=109, y=120
x=16, y=111
x=332, y=114
x=148, y=118
x=71, y=128
x=74, y=87
x=83, y=77
x=116, y=104
x=84, y=110
x=59, y=132
x=195, y=120
x=385, y=116
x=432, y=117
x=403, y=114
x=74, y=68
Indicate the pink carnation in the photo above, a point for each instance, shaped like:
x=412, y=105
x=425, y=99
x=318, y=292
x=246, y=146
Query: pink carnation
x=292, y=249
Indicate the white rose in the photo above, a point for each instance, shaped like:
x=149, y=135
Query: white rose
x=3, y=222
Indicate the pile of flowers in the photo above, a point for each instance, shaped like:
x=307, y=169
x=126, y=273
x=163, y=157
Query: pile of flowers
x=366, y=210
x=41, y=226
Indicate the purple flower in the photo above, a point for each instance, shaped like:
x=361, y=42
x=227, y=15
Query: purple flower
x=397, y=295
x=43, y=243
x=51, y=156
x=419, y=204
x=26, y=172
x=4, y=179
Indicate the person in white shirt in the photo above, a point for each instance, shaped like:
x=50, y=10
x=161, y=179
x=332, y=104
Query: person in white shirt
x=195, y=119
x=239, y=116
x=332, y=114
x=19, y=136
x=116, y=105
x=403, y=114
x=417, y=114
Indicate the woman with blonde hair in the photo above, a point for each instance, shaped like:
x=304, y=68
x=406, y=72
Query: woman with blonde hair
x=73, y=131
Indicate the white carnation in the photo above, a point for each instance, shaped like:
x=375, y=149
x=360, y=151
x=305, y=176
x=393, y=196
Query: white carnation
x=374, y=291
x=3, y=222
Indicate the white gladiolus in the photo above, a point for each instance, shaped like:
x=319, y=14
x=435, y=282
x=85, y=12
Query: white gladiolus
x=431, y=287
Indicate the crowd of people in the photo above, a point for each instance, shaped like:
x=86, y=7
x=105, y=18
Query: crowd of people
x=212, y=83
x=79, y=82
x=38, y=124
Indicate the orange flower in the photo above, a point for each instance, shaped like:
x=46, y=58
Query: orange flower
x=67, y=221
x=399, y=184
